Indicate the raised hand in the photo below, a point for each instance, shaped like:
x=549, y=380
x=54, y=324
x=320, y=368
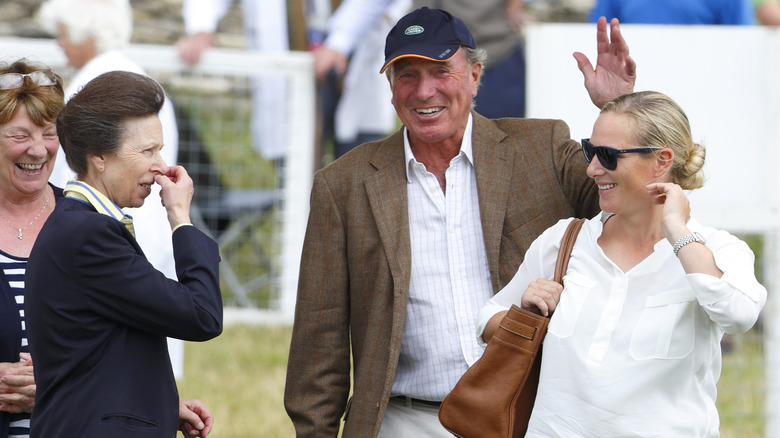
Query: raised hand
x=615, y=72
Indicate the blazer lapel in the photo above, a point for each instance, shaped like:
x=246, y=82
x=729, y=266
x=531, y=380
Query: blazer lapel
x=386, y=191
x=493, y=167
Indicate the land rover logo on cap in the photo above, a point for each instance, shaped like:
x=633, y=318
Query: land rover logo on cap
x=414, y=30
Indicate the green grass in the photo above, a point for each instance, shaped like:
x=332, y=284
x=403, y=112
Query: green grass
x=240, y=376
x=741, y=392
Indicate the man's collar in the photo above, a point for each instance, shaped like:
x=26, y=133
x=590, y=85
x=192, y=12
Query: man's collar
x=466, y=147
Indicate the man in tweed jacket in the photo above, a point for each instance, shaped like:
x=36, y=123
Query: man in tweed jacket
x=409, y=236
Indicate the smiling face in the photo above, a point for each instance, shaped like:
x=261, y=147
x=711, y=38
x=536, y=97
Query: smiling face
x=623, y=190
x=28, y=152
x=126, y=177
x=433, y=99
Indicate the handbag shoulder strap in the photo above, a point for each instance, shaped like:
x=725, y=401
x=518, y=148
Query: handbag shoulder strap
x=567, y=243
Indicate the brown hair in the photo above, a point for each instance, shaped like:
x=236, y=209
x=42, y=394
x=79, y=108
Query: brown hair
x=92, y=121
x=43, y=102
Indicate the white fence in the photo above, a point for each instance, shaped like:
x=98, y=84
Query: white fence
x=223, y=72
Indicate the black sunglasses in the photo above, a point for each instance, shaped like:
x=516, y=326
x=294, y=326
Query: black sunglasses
x=608, y=157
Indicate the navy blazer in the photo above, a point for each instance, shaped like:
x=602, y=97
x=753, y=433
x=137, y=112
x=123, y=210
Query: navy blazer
x=98, y=314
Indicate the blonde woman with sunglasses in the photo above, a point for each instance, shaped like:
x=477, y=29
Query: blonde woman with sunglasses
x=633, y=348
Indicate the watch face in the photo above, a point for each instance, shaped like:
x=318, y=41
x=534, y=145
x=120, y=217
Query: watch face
x=699, y=237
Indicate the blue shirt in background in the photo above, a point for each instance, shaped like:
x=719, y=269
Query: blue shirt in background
x=735, y=12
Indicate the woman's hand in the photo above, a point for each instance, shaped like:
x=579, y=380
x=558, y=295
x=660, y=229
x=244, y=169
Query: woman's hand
x=674, y=219
x=676, y=211
x=194, y=418
x=542, y=296
x=17, y=385
x=176, y=192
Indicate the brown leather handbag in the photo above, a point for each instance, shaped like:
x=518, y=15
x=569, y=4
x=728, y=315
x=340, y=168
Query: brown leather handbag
x=495, y=396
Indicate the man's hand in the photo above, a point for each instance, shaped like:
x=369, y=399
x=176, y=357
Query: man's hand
x=615, y=72
x=191, y=47
x=518, y=18
x=327, y=59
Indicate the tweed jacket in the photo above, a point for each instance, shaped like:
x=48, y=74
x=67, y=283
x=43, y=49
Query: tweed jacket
x=356, y=261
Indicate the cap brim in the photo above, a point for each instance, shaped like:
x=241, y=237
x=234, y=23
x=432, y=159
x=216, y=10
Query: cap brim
x=428, y=51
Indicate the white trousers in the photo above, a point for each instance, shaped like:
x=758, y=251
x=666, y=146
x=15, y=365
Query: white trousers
x=404, y=419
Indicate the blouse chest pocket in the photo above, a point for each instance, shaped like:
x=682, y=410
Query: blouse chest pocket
x=575, y=292
x=667, y=326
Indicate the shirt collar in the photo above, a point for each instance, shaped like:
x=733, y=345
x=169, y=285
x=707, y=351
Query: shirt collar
x=466, y=147
x=83, y=192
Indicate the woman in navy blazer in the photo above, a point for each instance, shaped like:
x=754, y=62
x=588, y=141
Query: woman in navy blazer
x=98, y=312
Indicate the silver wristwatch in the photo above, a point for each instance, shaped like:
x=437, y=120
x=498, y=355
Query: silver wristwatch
x=693, y=237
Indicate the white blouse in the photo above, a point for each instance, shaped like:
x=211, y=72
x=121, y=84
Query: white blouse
x=634, y=353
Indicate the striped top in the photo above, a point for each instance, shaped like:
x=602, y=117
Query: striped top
x=14, y=267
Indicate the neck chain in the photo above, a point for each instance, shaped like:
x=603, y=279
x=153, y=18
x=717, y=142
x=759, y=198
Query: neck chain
x=45, y=204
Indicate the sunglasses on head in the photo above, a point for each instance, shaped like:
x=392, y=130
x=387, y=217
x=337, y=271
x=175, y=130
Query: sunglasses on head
x=43, y=78
x=608, y=157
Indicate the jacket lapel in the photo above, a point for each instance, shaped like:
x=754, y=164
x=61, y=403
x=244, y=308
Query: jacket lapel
x=386, y=190
x=493, y=167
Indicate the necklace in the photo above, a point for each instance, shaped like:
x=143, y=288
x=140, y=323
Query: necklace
x=46, y=203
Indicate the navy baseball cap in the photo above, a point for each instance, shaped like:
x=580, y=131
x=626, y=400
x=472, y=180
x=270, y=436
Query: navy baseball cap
x=431, y=34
